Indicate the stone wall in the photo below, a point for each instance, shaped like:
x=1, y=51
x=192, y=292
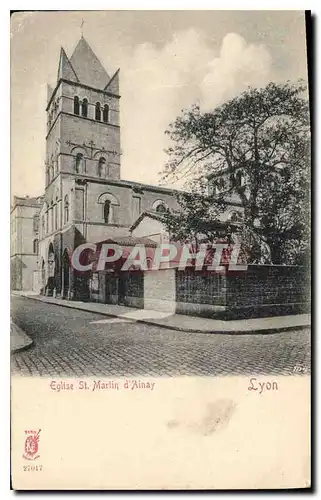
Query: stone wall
x=200, y=293
x=265, y=290
x=260, y=291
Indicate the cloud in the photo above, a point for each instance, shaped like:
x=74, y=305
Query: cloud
x=238, y=66
x=158, y=82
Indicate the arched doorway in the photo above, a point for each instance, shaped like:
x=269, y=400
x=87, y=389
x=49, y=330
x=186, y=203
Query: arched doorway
x=65, y=273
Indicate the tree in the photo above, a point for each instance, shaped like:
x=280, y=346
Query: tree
x=261, y=137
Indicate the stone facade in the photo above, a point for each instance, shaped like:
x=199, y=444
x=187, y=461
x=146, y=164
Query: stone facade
x=24, y=241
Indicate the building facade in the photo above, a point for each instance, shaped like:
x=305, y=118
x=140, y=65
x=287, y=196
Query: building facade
x=24, y=241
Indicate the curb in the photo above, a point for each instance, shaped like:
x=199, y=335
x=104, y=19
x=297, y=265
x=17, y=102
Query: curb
x=22, y=348
x=28, y=342
x=257, y=331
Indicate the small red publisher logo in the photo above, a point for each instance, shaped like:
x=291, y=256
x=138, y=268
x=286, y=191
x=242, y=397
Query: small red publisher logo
x=31, y=445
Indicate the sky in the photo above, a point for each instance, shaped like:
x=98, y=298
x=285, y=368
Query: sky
x=168, y=61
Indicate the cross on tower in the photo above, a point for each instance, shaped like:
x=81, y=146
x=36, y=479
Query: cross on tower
x=91, y=144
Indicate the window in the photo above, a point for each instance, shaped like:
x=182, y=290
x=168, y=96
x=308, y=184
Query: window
x=218, y=186
x=109, y=208
x=52, y=166
x=50, y=173
x=36, y=223
x=55, y=217
x=101, y=167
x=57, y=213
x=239, y=178
x=235, y=217
x=35, y=246
x=136, y=207
x=107, y=211
x=76, y=105
x=161, y=208
x=49, y=119
x=84, y=107
x=106, y=113
x=79, y=162
x=43, y=230
x=56, y=164
x=52, y=217
x=66, y=209
x=47, y=220
x=97, y=111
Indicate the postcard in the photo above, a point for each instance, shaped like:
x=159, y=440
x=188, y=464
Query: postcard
x=160, y=250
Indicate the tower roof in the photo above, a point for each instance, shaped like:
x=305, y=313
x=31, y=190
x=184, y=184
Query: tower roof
x=65, y=69
x=87, y=67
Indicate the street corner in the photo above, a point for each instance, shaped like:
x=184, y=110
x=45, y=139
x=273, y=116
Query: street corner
x=19, y=340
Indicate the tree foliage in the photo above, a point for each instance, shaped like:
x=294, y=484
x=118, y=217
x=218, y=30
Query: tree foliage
x=263, y=133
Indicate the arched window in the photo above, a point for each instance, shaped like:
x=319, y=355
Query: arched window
x=219, y=185
x=50, y=173
x=107, y=211
x=52, y=217
x=66, y=209
x=97, y=111
x=47, y=218
x=76, y=105
x=35, y=246
x=235, y=216
x=43, y=230
x=79, y=162
x=36, y=223
x=50, y=118
x=106, y=113
x=84, y=107
x=110, y=208
x=55, y=217
x=56, y=164
x=160, y=206
x=239, y=178
x=101, y=167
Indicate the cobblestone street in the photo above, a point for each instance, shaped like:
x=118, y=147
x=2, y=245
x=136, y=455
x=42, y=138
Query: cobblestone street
x=70, y=342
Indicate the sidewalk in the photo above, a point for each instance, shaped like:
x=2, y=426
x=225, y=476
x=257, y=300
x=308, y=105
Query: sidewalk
x=18, y=339
x=182, y=322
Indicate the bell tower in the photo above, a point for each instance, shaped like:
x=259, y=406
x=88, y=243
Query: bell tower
x=83, y=130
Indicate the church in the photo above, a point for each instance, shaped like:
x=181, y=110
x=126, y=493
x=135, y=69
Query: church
x=85, y=198
x=87, y=201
